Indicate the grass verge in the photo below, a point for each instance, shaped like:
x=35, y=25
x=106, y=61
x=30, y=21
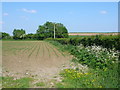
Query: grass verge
x=102, y=63
x=10, y=82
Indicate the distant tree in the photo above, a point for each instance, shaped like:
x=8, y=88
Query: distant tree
x=36, y=36
x=19, y=34
x=47, y=31
x=5, y=35
x=29, y=36
x=41, y=33
x=61, y=31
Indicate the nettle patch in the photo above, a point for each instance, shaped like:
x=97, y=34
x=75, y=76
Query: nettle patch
x=95, y=56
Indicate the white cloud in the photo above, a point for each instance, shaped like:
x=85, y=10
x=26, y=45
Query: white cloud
x=103, y=12
x=5, y=14
x=29, y=11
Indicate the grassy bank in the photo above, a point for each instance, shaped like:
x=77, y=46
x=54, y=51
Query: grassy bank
x=103, y=67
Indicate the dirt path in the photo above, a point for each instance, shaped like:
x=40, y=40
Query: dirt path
x=37, y=59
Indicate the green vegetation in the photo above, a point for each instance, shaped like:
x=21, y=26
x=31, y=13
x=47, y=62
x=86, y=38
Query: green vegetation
x=43, y=32
x=111, y=42
x=95, y=56
x=18, y=34
x=102, y=63
x=47, y=31
x=10, y=82
x=40, y=84
x=30, y=36
x=92, y=79
x=4, y=35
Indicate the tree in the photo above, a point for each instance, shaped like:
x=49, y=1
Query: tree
x=29, y=36
x=47, y=30
x=61, y=31
x=5, y=35
x=19, y=34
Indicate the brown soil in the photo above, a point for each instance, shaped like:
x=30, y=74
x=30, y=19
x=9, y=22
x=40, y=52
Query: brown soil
x=37, y=59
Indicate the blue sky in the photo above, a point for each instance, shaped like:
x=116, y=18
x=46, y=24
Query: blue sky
x=76, y=16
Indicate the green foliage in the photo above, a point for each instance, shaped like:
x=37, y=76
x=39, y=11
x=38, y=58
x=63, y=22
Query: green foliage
x=47, y=31
x=29, y=36
x=101, y=40
x=18, y=34
x=95, y=56
x=4, y=35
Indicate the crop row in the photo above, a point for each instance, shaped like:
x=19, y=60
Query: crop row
x=27, y=49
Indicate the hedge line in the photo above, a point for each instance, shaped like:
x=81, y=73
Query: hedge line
x=111, y=41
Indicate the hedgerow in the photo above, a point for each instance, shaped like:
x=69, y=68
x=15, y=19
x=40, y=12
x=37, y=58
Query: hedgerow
x=110, y=42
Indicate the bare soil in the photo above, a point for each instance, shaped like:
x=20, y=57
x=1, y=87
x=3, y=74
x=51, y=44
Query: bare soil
x=36, y=59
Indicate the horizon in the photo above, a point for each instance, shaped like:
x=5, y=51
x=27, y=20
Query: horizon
x=71, y=32
x=75, y=16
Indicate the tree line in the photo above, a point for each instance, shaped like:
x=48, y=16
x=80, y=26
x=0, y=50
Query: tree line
x=44, y=31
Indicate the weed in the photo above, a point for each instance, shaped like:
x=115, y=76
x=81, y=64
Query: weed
x=40, y=84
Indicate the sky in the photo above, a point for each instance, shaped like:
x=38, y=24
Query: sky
x=75, y=16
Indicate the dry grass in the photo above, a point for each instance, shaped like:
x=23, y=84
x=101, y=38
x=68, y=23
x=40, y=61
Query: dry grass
x=90, y=34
